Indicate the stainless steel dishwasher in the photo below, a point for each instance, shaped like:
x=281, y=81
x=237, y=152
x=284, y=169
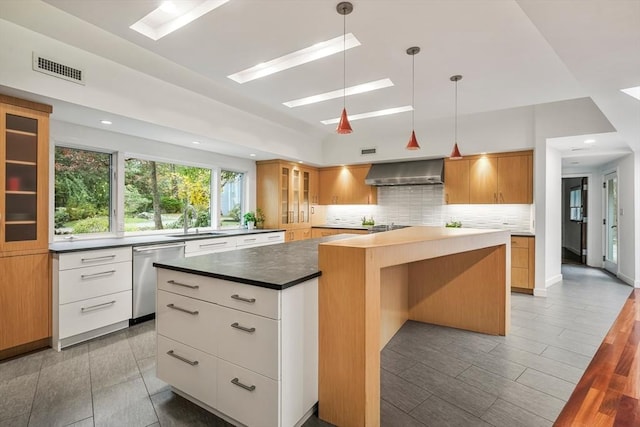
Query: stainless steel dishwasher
x=144, y=276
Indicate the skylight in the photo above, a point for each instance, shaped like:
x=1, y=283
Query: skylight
x=352, y=90
x=387, y=112
x=293, y=59
x=172, y=15
x=633, y=91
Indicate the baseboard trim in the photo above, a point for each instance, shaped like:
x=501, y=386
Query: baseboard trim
x=539, y=292
x=629, y=280
x=25, y=348
x=553, y=280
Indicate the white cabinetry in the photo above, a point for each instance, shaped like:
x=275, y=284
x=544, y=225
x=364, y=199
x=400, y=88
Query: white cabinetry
x=91, y=294
x=222, y=244
x=259, y=345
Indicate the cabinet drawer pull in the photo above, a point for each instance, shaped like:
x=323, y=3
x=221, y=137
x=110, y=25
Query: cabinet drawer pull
x=173, y=282
x=249, y=240
x=237, y=382
x=97, y=306
x=273, y=237
x=239, y=298
x=182, y=359
x=214, y=244
x=102, y=273
x=184, y=310
x=98, y=258
x=242, y=328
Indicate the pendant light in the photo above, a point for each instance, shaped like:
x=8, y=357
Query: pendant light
x=344, y=8
x=455, y=154
x=413, y=142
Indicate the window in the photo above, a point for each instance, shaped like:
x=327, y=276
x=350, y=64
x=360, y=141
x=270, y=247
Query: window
x=156, y=195
x=575, y=204
x=82, y=191
x=231, y=196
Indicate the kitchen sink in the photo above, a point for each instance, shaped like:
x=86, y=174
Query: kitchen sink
x=196, y=235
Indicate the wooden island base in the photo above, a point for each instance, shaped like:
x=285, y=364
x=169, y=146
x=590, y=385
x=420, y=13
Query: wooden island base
x=371, y=285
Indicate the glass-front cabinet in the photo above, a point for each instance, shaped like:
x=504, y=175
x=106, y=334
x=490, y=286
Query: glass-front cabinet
x=23, y=178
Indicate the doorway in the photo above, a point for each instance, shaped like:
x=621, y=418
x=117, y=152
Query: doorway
x=610, y=222
x=574, y=220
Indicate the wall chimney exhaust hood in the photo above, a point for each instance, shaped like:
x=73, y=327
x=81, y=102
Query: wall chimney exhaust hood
x=419, y=172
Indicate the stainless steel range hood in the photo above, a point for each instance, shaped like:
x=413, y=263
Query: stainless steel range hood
x=420, y=172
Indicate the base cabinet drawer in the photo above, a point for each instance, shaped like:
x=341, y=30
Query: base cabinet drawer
x=188, y=369
x=94, y=257
x=188, y=320
x=88, y=282
x=247, y=396
x=252, y=299
x=190, y=285
x=81, y=316
x=250, y=341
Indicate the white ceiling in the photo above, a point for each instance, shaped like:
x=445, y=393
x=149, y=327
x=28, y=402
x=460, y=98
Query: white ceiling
x=511, y=53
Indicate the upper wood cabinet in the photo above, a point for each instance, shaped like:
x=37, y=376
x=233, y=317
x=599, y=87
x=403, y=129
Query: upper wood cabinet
x=24, y=178
x=285, y=192
x=344, y=185
x=494, y=178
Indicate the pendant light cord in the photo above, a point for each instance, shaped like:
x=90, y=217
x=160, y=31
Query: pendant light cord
x=455, y=126
x=344, y=60
x=413, y=91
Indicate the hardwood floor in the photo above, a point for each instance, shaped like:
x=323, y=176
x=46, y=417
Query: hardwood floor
x=609, y=391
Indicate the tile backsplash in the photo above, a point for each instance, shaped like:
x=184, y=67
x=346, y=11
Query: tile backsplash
x=424, y=205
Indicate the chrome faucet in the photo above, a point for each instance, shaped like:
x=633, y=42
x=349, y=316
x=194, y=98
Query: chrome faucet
x=186, y=218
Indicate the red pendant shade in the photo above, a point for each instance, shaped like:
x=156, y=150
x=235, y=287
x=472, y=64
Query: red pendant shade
x=344, y=126
x=455, y=154
x=413, y=142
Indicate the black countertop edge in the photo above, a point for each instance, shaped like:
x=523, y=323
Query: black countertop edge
x=523, y=234
x=141, y=240
x=275, y=286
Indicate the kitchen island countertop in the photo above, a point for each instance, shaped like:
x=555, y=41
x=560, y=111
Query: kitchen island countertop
x=275, y=266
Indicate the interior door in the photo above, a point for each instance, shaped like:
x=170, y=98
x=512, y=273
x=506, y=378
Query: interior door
x=611, y=222
x=584, y=216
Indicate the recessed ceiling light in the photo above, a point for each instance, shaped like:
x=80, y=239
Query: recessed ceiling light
x=352, y=90
x=632, y=91
x=170, y=16
x=106, y=122
x=371, y=114
x=589, y=141
x=195, y=142
x=300, y=161
x=293, y=59
x=252, y=155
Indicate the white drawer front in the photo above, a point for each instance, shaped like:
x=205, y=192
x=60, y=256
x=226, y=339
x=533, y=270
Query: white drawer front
x=252, y=299
x=188, y=320
x=88, y=282
x=209, y=246
x=190, y=285
x=94, y=257
x=256, y=406
x=250, y=341
x=260, y=239
x=176, y=365
x=86, y=315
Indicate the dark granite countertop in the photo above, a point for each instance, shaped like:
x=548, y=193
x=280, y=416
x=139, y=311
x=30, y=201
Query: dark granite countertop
x=276, y=266
x=114, y=242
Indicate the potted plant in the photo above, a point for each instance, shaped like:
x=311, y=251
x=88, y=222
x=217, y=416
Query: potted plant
x=259, y=218
x=250, y=220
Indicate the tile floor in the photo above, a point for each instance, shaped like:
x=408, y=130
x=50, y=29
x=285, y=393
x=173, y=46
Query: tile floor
x=431, y=375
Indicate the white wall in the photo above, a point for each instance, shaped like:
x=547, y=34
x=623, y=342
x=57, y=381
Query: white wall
x=636, y=210
x=553, y=222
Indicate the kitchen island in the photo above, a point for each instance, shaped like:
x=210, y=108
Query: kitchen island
x=238, y=331
x=372, y=284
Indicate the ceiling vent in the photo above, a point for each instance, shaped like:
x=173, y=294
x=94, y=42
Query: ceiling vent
x=56, y=69
x=367, y=151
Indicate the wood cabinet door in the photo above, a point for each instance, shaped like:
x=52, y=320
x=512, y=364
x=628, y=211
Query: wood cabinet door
x=515, y=179
x=24, y=299
x=360, y=193
x=456, y=181
x=24, y=179
x=329, y=185
x=483, y=180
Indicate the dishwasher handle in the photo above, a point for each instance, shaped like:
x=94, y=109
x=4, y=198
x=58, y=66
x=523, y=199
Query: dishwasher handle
x=156, y=247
